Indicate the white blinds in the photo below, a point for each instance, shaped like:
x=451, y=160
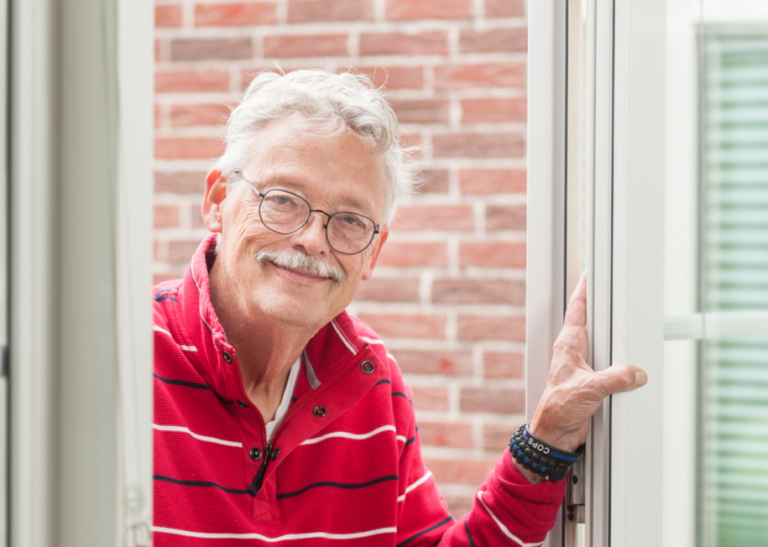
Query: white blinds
x=734, y=433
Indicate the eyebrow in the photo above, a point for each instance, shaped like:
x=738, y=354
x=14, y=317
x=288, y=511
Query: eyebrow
x=289, y=183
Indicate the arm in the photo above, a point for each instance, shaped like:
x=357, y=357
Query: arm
x=515, y=506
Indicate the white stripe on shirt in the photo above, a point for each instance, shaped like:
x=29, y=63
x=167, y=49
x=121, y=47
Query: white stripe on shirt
x=180, y=429
x=503, y=528
x=185, y=348
x=326, y=535
x=416, y=484
x=355, y=436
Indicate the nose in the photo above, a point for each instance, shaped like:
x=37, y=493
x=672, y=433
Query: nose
x=311, y=237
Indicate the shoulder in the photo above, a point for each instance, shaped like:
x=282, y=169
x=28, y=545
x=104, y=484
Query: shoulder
x=384, y=356
x=164, y=295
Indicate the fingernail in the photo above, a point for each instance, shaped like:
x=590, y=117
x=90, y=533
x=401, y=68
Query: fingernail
x=641, y=378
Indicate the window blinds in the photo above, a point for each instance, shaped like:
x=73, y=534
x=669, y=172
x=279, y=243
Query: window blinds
x=734, y=432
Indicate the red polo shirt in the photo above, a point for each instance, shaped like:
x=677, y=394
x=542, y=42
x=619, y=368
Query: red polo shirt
x=344, y=467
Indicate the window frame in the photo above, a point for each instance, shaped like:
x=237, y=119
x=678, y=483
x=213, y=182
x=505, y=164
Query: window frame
x=628, y=249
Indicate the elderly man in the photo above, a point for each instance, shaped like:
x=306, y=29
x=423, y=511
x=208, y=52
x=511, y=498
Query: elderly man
x=279, y=418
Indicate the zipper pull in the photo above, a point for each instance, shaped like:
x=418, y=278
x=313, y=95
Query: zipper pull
x=258, y=480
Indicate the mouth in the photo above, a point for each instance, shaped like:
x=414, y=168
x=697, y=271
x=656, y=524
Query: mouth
x=300, y=275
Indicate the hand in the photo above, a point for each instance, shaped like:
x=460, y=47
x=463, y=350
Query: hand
x=574, y=391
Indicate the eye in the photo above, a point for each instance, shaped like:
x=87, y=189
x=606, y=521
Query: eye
x=352, y=221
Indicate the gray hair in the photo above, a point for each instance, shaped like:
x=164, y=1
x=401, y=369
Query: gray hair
x=335, y=102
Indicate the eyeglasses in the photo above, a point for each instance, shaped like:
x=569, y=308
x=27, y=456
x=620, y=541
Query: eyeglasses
x=284, y=212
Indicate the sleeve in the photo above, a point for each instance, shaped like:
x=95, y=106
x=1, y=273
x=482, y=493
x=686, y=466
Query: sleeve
x=507, y=509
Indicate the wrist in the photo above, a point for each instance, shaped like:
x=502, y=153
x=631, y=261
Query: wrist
x=539, y=457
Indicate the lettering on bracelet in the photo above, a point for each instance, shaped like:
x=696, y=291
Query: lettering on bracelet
x=538, y=446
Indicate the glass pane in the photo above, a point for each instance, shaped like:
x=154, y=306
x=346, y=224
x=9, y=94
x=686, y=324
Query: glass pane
x=733, y=498
x=716, y=274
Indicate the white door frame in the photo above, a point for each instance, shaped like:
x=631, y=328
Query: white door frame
x=628, y=248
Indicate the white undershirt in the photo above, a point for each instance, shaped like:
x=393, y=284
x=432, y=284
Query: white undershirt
x=286, y=400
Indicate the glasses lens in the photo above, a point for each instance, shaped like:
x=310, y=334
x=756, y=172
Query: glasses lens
x=350, y=233
x=282, y=211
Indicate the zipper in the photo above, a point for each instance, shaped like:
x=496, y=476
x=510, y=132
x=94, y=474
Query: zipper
x=258, y=480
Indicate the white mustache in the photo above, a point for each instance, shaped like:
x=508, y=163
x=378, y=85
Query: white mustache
x=297, y=260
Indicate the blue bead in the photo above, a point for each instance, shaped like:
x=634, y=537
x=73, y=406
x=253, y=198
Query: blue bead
x=526, y=460
x=543, y=469
x=519, y=452
x=535, y=464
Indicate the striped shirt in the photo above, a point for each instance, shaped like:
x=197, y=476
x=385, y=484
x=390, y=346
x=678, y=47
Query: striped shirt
x=343, y=468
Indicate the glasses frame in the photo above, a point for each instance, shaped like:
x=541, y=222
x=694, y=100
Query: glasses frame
x=376, y=227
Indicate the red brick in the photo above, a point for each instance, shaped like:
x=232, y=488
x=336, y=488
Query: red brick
x=479, y=145
x=444, y=217
x=408, y=140
x=211, y=49
x=401, y=10
x=430, y=398
x=191, y=81
x=493, y=254
x=237, y=14
x=421, y=110
x=496, y=436
x=459, y=505
x=504, y=40
x=434, y=181
x=460, y=471
x=503, y=365
x=389, y=290
x=402, y=254
x=444, y=363
x=159, y=50
x=475, y=328
x=494, y=110
x=168, y=16
x=157, y=115
x=180, y=182
x=505, y=217
x=453, y=435
x=183, y=115
x=166, y=216
x=480, y=76
x=182, y=251
x=492, y=399
x=399, y=43
x=397, y=77
x=478, y=291
x=318, y=45
x=188, y=148
x=315, y=11
x=406, y=326
x=504, y=8
x=492, y=181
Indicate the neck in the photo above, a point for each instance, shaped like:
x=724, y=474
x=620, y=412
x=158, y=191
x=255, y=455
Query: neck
x=266, y=349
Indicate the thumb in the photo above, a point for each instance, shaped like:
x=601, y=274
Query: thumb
x=618, y=378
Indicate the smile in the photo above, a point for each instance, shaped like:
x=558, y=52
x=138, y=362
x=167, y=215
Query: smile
x=302, y=276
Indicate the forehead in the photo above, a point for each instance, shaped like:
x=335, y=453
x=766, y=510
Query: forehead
x=333, y=170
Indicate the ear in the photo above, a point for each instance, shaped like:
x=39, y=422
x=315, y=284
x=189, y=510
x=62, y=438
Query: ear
x=374, y=257
x=215, y=193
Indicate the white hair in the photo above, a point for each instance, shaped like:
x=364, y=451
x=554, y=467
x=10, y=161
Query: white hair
x=333, y=103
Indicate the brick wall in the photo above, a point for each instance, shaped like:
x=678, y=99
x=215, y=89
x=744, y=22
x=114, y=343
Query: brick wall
x=448, y=295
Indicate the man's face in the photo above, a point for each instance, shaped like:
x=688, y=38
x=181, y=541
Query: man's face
x=333, y=174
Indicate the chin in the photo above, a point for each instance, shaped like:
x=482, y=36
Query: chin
x=290, y=310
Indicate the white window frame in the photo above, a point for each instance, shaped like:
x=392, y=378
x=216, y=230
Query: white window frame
x=626, y=296
x=81, y=249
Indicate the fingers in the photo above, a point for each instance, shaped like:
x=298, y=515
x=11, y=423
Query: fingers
x=576, y=313
x=618, y=378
